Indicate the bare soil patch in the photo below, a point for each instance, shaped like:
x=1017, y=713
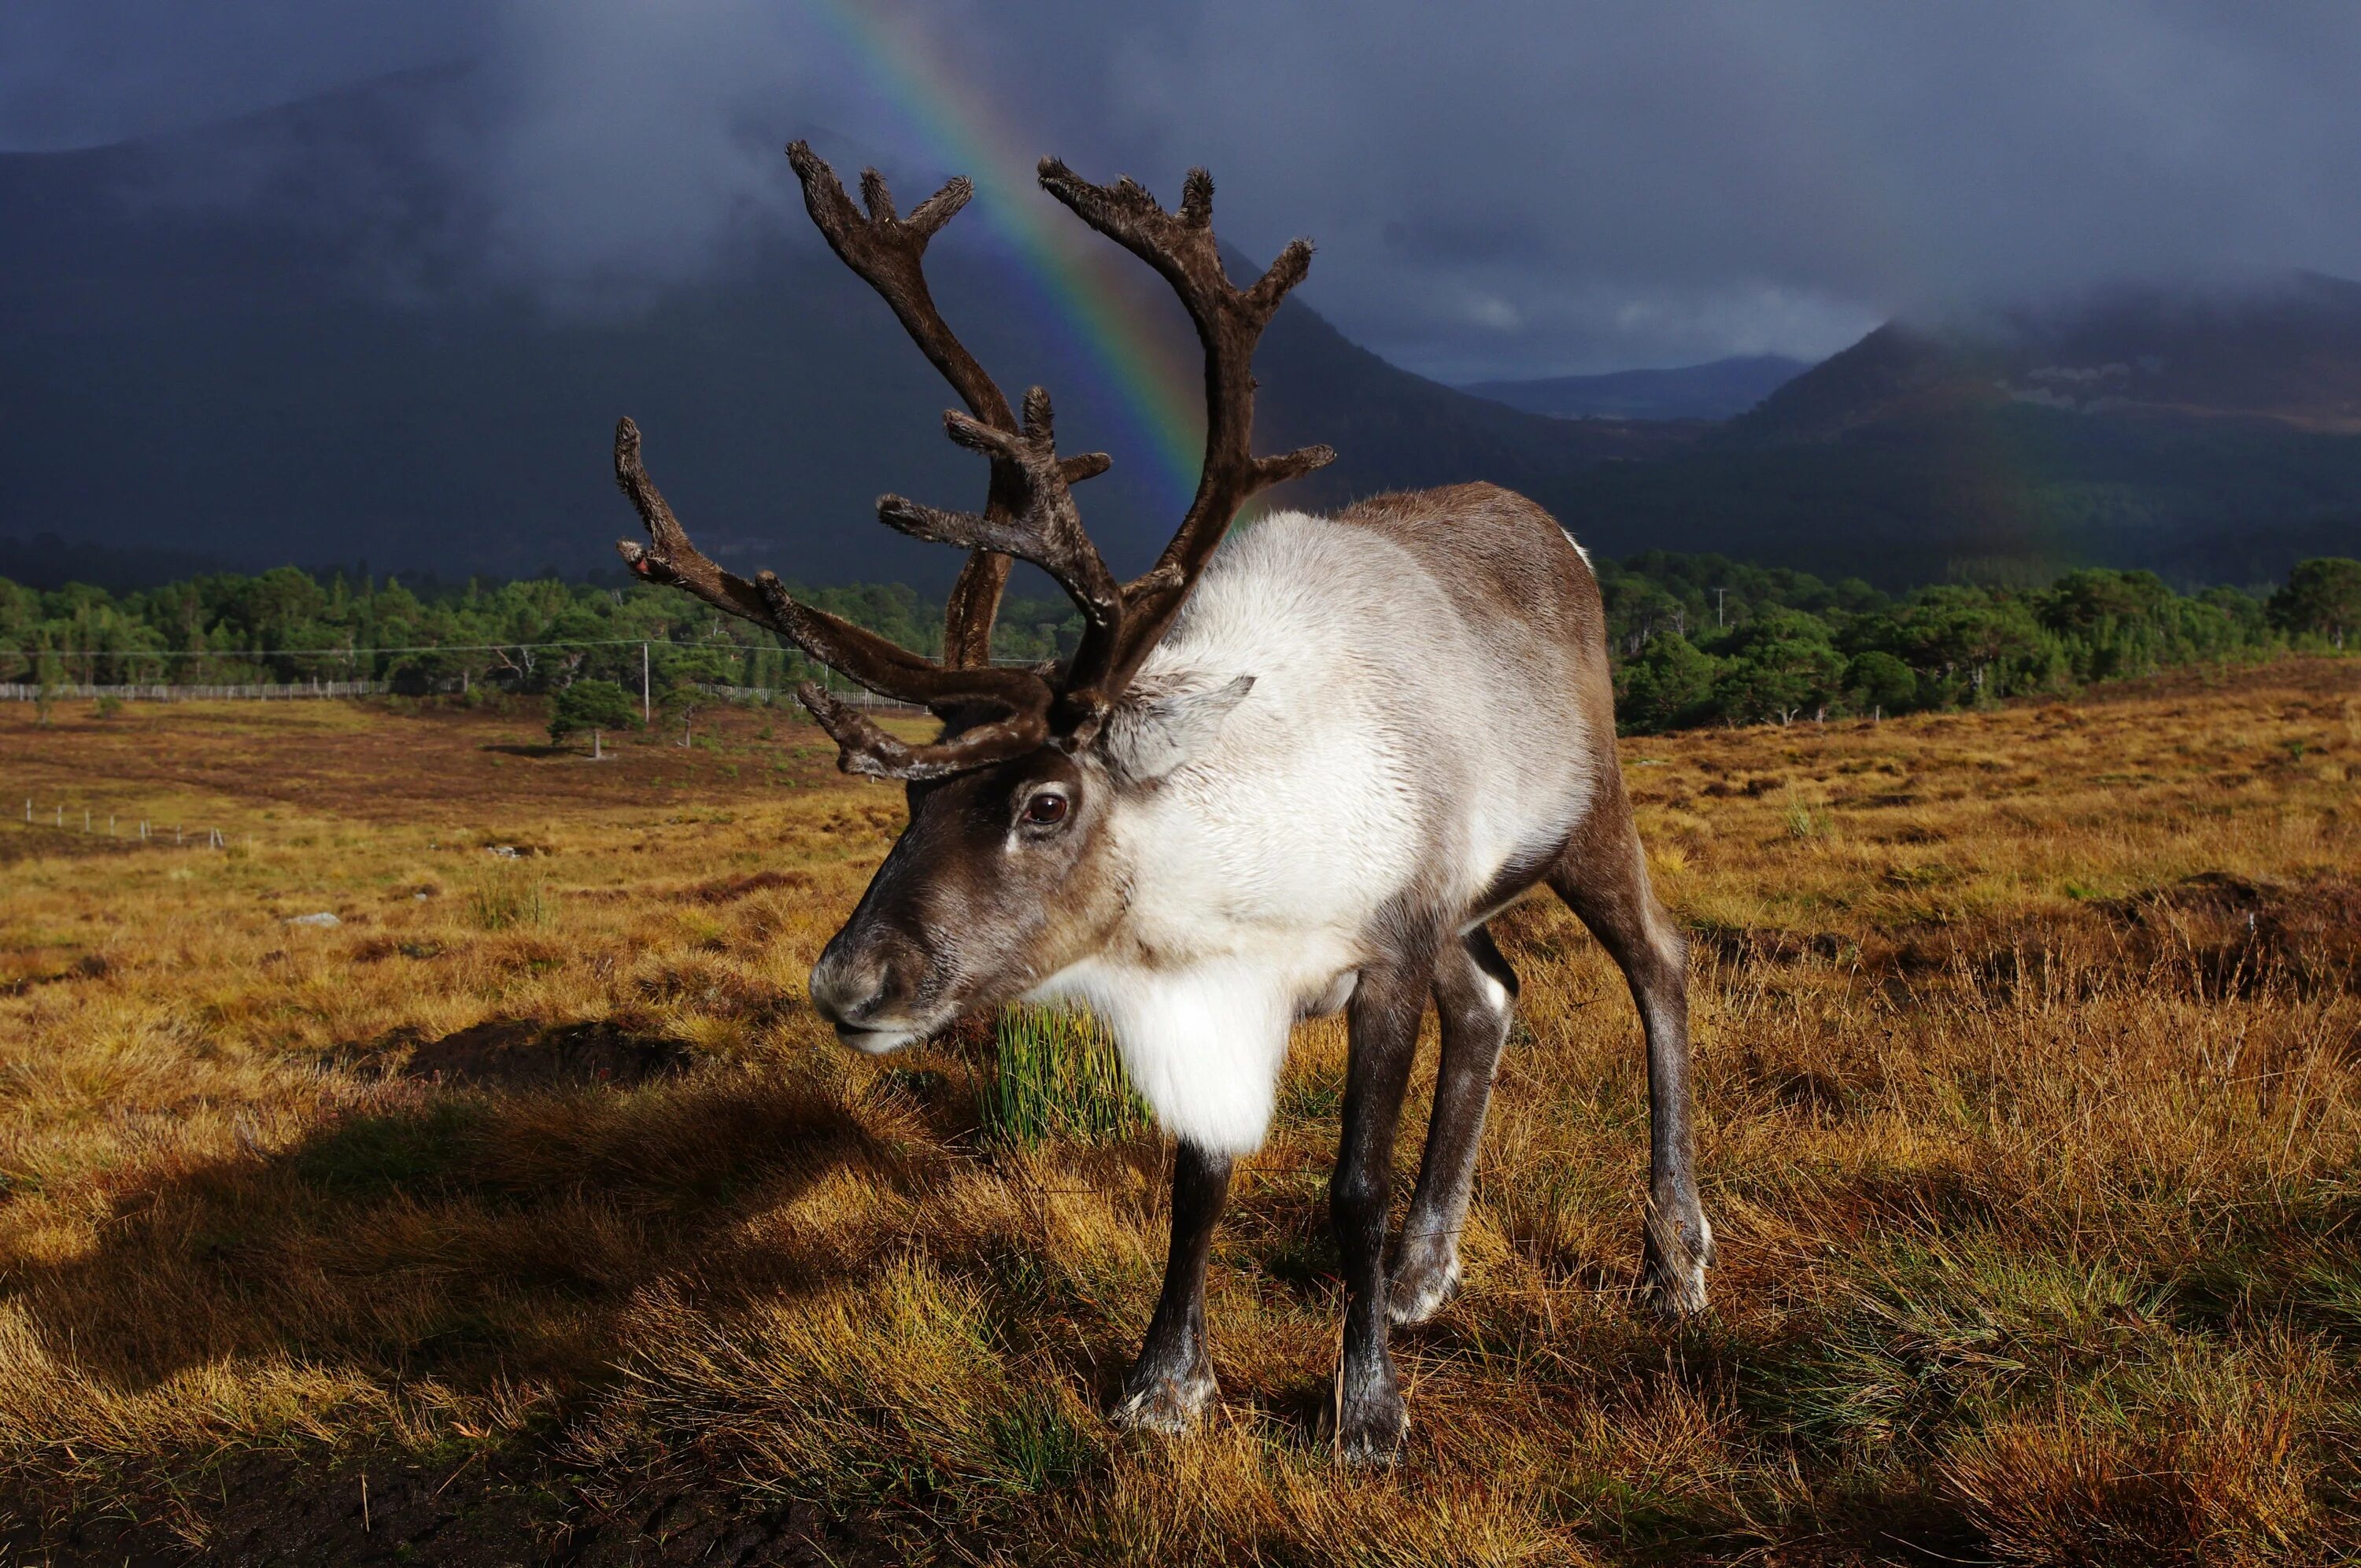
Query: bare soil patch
x=522, y=1053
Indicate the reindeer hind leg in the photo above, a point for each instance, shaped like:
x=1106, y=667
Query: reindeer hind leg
x=1603, y=877
x=1475, y=993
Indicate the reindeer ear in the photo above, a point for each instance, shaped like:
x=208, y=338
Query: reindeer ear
x=1149, y=734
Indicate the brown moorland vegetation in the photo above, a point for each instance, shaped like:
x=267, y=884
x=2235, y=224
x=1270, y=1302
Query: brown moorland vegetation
x=528, y=1214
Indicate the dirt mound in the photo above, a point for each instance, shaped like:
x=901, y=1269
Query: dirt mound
x=2238, y=928
x=522, y=1053
x=1741, y=945
x=728, y=890
x=89, y=966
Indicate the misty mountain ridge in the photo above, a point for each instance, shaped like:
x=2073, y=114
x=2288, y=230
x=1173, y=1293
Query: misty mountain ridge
x=2206, y=434
x=1718, y=389
x=308, y=368
x=282, y=339
x=2284, y=349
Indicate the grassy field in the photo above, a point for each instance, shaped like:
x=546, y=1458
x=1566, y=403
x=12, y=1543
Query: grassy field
x=527, y=1213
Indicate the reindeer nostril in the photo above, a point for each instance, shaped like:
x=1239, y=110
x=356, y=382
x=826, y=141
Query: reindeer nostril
x=848, y=992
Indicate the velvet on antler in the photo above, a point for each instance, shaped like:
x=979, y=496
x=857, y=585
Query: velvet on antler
x=1029, y=512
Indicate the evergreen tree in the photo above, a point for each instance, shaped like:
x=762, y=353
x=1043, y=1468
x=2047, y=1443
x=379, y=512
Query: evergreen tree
x=2323, y=598
x=1669, y=685
x=1878, y=683
x=595, y=705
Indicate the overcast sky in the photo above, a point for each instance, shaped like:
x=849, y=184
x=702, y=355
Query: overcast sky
x=1496, y=190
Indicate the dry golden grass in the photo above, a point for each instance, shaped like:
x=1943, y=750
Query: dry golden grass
x=543, y=1196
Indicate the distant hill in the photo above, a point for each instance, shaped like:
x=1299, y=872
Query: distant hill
x=305, y=372
x=1718, y=390
x=50, y=561
x=265, y=342
x=2286, y=350
x=2211, y=436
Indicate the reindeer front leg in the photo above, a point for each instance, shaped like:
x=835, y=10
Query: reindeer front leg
x=1371, y=1417
x=1172, y=1381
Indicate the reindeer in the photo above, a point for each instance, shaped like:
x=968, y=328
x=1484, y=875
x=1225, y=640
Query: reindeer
x=1275, y=779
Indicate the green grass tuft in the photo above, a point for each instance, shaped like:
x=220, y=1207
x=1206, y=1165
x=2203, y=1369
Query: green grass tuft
x=1056, y=1075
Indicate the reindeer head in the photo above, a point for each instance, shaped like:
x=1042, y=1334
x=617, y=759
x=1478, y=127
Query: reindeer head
x=1005, y=872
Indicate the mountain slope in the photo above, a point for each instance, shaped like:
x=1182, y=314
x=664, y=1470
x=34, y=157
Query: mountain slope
x=303, y=368
x=2288, y=350
x=1719, y=390
x=275, y=340
x=2209, y=435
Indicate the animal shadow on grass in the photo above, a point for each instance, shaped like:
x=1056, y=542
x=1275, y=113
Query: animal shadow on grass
x=488, y=1222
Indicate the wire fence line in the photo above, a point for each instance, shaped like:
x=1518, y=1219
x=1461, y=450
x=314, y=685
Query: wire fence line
x=860, y=695
x=316, y=686
x=140, y=829
x=70, y=691
x=357, y=651
x=74, y=691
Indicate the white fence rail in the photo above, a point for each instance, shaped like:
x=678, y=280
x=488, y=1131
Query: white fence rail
x=72, y=691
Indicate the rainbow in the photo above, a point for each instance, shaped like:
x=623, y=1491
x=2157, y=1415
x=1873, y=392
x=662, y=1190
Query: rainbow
x=1161, y=397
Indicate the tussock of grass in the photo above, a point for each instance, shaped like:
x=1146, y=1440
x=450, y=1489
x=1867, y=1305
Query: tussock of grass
x=2029, y=1103
x=508, y=895
x=1054, y=1074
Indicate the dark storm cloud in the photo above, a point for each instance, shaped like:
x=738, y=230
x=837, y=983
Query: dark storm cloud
x=1497, y=190
x=81, y=72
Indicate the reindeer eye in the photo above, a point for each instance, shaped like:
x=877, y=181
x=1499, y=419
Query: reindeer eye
x=1046, y=809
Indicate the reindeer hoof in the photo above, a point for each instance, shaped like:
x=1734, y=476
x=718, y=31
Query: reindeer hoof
x=1671, y=1277
x=1422, y=1286
x=1165, y=1402
x=1372, y=1420
x=1372, y=1436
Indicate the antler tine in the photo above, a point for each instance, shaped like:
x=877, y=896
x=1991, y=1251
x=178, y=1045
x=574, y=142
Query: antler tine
x=939, y=208
x=1046, y=530
x=881, y=665
x=1181, y=248
x=886, y=252
x=864, y=748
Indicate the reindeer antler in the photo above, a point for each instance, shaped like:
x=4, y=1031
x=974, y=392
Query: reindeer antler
x=1181, y=248
x=886, y=252
x=1045, y=529
x=874, y=661
x=1029, y=512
